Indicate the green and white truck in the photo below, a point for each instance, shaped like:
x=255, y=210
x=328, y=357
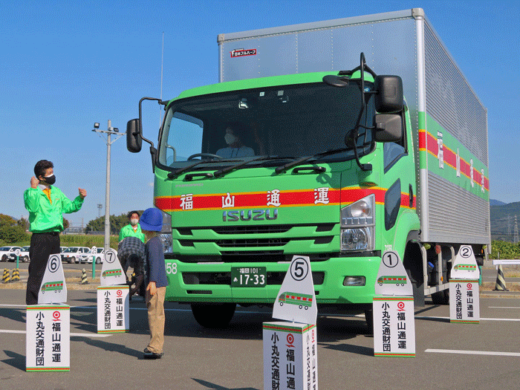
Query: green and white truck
x=349, y=137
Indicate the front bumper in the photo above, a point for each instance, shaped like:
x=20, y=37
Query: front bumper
x=329, y=289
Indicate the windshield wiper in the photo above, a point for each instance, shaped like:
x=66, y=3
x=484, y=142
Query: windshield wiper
x=300, y=161
x=222, y=172
x=177, y=172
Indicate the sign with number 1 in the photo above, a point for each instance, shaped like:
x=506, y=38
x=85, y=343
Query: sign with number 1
x=392, y=278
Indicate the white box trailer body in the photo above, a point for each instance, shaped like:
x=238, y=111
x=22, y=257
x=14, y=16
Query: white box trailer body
x=448, y=119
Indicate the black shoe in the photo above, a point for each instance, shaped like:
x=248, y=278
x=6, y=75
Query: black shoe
x=152, y=355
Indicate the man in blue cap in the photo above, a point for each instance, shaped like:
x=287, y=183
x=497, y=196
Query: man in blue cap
x=151, y=225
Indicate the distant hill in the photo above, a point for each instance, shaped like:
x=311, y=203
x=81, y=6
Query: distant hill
x=494, y=202
x=503, y=221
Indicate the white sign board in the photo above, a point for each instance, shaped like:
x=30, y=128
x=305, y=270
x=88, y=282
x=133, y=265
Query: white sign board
x=17, y=252
x=465, y=265
x=464, y=301
x=394, y=326
x=53, y=288
x=290, y=356
x=48, y=338
x=296, y=300
x=392, y=278
x=112, y=273
x=113, y=309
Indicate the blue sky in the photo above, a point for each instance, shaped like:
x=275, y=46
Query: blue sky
x=65, y=65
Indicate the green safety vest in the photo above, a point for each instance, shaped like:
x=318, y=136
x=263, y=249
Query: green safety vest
x=128, y=231
x=47, y=217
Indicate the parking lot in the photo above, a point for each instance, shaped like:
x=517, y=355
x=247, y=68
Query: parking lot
x=450, y=356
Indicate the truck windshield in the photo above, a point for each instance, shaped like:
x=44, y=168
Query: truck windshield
x=278, y=122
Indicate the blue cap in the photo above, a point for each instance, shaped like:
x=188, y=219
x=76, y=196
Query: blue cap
x=151, y=220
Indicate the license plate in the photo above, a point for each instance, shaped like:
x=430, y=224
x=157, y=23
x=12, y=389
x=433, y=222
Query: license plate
x=248, y=276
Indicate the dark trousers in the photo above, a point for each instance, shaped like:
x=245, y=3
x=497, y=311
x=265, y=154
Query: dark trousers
x=42, y=246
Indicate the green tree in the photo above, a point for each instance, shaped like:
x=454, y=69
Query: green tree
x=66, y=223
x=10, y=230
x=24, y=223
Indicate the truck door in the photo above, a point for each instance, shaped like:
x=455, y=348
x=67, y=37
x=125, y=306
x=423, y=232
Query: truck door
x=399, y=182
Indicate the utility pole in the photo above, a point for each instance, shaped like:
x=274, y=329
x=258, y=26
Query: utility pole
x=515, y=238
x=109, y=132
x=99, y=206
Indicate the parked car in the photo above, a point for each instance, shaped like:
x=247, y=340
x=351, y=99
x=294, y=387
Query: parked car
x=100, y=256
x=24, y=254
x=75, y=254
x=7, y=253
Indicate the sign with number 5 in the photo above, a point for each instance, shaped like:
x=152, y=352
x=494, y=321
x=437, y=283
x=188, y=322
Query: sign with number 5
x=296, y=300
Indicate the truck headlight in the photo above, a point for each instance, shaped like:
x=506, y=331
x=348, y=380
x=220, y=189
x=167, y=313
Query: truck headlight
x=358, y=225
x=166, y=233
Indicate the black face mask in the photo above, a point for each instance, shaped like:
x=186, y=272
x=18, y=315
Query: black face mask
x=49, y=179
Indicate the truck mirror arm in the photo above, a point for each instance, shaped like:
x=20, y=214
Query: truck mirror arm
x=164, y=103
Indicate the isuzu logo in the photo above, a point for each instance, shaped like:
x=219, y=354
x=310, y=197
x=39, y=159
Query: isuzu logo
x=248, y=215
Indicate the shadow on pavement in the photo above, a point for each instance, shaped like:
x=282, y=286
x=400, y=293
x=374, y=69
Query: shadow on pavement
x=357, y=349
x=14, y=314
x=15, y=360
x=214, y=386
x=110, y=347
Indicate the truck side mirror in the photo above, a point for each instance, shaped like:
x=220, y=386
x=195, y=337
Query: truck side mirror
x=134, y=136
x=389, y=128
x=389, y=96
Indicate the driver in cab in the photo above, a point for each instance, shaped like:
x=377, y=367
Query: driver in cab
x=235, y=147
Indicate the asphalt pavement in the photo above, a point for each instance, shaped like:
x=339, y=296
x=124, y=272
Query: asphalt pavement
x=448, y=356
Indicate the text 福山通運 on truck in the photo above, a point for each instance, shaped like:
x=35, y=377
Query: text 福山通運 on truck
x=308, y=147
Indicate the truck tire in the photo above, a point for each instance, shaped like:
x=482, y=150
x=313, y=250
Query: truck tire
x=213, y=315
x=4, y=258
x=369, y=317
x=98, y=260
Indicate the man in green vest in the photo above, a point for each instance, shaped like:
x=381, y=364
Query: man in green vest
x=132, y=230
x=46, y=205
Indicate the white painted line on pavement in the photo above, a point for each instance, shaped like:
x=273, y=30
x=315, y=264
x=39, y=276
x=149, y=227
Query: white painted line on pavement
x=473, y=352
x=71, y=335
x=482, y=319
x=504, y=307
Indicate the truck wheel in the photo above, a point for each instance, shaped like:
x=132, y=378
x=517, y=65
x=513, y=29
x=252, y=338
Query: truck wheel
x=441, y=297
x=4, y=258
x=213, y=315
x=98, y=260
x=369, y=317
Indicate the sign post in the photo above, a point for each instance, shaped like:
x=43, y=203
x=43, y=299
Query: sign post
x=113, y=310
x=290, y=348
x=48, y=338
x=393, y=305
x=464, y=288
x=94, y=250
x=48, y=323
x=113, y=299
x=17, y=253
x=290, y=356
